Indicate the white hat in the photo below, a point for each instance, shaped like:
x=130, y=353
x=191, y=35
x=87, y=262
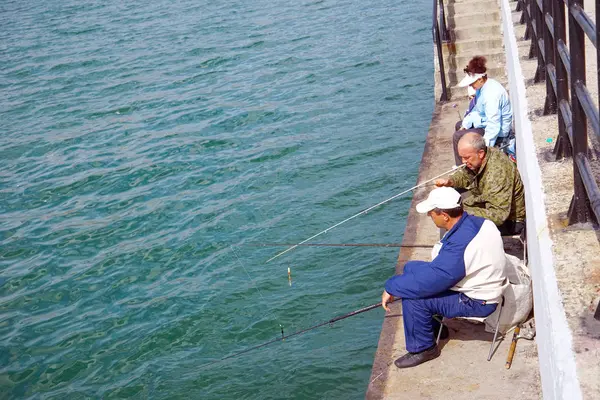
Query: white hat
x=444, y=197
x=469, y=79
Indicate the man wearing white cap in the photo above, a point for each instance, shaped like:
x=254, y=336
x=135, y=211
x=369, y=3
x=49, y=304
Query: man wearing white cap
x=465, y=279
x=492, y=115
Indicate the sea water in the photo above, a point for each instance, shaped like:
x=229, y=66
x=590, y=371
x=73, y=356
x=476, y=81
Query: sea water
x=145, y=144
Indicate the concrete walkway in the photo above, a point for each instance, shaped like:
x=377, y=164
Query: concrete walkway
x=462, y=371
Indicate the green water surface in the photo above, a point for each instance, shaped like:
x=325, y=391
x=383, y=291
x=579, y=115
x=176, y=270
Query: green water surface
x=144, y=143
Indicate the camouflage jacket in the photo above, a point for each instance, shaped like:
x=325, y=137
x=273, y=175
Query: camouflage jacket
x=495, y=191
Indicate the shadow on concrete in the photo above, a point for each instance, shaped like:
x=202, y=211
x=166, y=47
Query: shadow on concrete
x=513, y=246
x=465, y=331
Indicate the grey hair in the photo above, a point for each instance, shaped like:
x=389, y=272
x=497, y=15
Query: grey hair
x=474, y=140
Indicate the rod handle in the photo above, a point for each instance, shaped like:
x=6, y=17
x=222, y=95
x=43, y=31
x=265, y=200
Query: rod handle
x=513, y=346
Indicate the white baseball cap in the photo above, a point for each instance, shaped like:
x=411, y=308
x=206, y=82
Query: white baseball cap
x=444, y=197
x=469, y=79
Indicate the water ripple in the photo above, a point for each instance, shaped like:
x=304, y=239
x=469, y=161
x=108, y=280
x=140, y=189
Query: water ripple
x=142, y=141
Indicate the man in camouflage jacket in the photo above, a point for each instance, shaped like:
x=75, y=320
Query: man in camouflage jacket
x=494, y=184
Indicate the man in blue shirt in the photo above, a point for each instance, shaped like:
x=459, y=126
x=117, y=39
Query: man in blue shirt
x=465, y=279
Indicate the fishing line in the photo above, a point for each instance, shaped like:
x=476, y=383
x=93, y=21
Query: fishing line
x=251, y=280
x=255, y=212
x=384, y=370
x=339, y=245
x=255, y=285
x=297, y=333
x=456, y=167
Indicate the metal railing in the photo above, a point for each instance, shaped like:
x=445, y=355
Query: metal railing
x=562, y=66
x=440, y=34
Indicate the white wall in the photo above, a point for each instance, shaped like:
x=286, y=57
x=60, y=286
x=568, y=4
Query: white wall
x=554, y=340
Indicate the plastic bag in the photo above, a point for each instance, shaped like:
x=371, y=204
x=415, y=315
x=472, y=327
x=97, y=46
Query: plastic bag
x=518, y=297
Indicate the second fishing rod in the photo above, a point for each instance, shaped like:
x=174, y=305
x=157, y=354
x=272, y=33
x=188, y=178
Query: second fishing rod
x=450, y=171
x=283, y=336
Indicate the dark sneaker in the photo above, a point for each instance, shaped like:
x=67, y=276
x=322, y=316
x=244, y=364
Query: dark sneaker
x=413, y=359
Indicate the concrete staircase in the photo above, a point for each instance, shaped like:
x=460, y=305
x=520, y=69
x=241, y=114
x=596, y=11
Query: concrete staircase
x=475, y=29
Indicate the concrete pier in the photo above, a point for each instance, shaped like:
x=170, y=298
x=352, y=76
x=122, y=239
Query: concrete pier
x=462, y=370
x=564, y=360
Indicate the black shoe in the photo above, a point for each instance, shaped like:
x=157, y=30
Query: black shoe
x=436, y=329
x=413, y=359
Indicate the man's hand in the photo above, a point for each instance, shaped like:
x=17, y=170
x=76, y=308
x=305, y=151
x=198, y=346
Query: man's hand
x=444, y=182
x=386, y=298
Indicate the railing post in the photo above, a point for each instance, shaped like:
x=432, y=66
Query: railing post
x=598, y=59
x=437, y=38
x=579, y=210
x=533, y=50
x=526, y=19
x=540, y=73
x=444, y=96
x=444, y=30
x=562, y=148
x=550, y=102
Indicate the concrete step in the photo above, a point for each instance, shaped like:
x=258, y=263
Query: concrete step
x=459, y=94
x=471, y=7
x=503, y=80
x=464, y=19
x=474, y=45
x=460, y=60
x=454, y=76
x=475, y=31
x=472, y=2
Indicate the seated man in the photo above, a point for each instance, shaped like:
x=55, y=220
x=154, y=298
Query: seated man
x=494, y=184
x=465, y=279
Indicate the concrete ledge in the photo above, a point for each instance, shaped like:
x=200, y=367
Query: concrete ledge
x=462, y=370
x=556, y=359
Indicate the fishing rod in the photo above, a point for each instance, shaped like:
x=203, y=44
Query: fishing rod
x=338, y=245
x=454, y=168
x=283, y=337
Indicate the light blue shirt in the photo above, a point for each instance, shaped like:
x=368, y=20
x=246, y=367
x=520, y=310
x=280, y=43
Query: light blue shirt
x=492, y=112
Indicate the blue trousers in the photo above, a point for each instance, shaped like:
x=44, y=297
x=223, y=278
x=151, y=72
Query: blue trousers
x=418, y=314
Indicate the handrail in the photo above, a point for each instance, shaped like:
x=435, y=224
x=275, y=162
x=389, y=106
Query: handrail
x=563, y=67
x=591, y=186
x=565, y=70
x=440, y=35
x=584, y=22
x=585, y=98
x=563, y=52
x=550, y=24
